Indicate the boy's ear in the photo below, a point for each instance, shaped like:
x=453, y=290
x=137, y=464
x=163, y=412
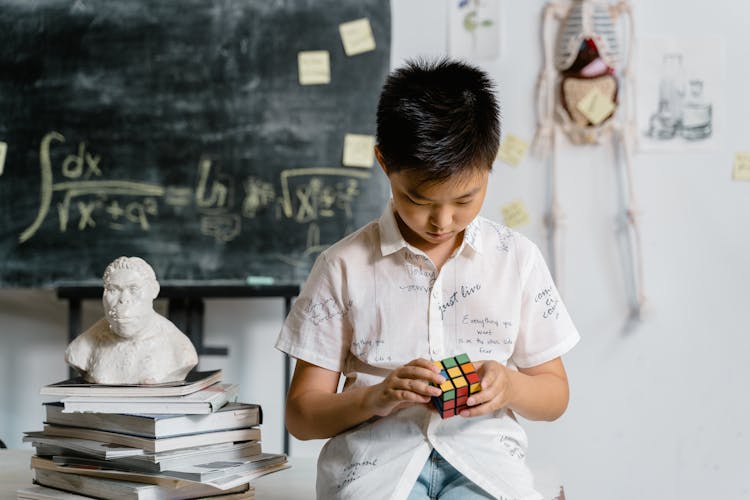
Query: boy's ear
x=381, y=160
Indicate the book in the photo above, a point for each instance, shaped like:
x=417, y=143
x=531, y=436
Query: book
x=207, y=471
x=229, y=416
x=204, y=401
x=38, y=492
x=137, y=458
x=199, y=470
x=114, y=489
x=220, y=451
x=194, y=381
x=57, y=445
x=224, y=483
x=158, y=462
x=153, y=444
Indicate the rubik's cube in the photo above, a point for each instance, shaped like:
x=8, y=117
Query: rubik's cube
x=461, y=380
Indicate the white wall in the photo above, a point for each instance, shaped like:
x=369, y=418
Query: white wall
x=656, y=412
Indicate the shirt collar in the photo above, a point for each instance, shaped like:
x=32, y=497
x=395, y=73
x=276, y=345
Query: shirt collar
x=391, y=240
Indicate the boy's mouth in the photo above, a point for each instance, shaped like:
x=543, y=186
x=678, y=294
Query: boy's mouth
x=440, y=236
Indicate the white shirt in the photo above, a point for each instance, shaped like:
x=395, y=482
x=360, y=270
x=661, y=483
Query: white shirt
x=373, y=302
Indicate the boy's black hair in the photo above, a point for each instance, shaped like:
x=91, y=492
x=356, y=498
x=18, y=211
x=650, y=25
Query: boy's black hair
x=439, y=118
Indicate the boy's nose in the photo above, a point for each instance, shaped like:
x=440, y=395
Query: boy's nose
x=441, y=218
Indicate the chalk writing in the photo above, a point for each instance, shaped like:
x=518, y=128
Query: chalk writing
x=90, y=201
x=258, y=195
x=213, y=199
x=223, y=227
x=178, y=196
x=73, y=165
x=79, y=167
x=134, y=212
x=314, y=199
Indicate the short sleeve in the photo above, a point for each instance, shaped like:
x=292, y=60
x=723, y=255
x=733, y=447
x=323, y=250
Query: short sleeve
x=546, y=330
x=317, y=329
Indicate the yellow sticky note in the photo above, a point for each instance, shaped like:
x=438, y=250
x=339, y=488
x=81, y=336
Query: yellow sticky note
x=741, y=170
x=314, y=67
x=596, y=106
x=357, y=36
x=3, y=151
x=358, y=150
x=512, y=150
x=515, y=214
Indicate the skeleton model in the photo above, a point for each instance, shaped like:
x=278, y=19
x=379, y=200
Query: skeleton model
x=585, y=90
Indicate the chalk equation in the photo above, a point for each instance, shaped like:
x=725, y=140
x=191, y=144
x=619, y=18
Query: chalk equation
x=76, y=190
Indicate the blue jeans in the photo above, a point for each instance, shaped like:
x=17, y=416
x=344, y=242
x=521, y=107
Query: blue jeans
x=439, y=479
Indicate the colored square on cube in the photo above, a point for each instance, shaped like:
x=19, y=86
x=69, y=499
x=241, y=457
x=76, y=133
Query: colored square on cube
x=461, y=380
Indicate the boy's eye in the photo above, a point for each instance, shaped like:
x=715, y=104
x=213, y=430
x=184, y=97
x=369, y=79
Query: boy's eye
x=414, y=202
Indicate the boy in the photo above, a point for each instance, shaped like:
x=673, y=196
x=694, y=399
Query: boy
x=428, y=280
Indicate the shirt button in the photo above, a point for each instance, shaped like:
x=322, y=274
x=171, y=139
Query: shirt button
x=434, y=294
x=435, y=350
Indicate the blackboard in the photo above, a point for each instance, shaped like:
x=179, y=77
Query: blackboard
x=178, y=131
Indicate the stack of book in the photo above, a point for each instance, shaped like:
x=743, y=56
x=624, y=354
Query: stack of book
x=183, y=440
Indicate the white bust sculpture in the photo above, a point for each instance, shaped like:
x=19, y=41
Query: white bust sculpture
x=132, y=344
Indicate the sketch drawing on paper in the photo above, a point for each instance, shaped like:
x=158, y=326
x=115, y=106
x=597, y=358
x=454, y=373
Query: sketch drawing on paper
x=474, y=29
x=678, y=86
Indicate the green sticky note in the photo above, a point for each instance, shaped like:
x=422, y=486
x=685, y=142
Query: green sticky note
x=259, y=280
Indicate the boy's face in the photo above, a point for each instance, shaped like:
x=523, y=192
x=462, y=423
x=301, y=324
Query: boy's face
x=434, y=215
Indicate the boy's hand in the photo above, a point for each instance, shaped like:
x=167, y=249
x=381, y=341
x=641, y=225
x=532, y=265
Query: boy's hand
x=496, y=390
x=405, y=386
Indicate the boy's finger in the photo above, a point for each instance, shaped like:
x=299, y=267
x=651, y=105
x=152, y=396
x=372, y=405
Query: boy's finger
x=422, y=388
x=422, y=373
x=475, y=411
x=479, y=398
x=424, y=363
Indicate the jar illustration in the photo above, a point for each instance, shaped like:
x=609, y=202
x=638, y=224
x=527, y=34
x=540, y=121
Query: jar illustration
x=667, y=120
x=696, y=114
